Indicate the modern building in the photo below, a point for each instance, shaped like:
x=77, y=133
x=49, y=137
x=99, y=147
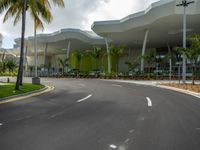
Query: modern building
x=159, y=26
x=59, y=44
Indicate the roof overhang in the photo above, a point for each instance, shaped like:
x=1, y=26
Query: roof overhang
x=163, y=19
x=58, y=41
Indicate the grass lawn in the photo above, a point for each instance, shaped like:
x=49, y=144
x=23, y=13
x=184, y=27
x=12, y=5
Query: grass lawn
x=190, y=87
x=8, y=89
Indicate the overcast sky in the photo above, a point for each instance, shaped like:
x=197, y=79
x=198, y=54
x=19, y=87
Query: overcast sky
x=76, y=14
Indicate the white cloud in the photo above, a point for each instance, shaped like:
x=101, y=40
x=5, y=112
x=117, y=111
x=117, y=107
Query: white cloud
x=76, y=14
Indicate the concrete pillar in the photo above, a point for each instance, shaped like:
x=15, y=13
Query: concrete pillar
x=184, y=46
x=68, y=48
x=108, y=53
x=144, y=49
x=45, y=53
x=170, y=63
x=68, y=52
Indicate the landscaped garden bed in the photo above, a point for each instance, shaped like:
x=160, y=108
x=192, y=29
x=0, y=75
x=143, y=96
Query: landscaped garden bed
x=190, y=87
x=8, y=89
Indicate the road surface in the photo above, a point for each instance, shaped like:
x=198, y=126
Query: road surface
x=101, y=115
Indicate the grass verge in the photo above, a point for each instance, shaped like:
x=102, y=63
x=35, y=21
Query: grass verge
x=190, y=87
x=8, y=89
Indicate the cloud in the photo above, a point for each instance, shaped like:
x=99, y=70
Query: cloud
x=76, y=14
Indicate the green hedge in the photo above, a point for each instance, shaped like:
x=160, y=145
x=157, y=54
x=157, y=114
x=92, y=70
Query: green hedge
x=8, y=73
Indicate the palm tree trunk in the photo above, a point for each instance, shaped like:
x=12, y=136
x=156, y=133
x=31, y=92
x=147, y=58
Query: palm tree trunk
x=35, y=49
x=193, y=75
x=20, y=69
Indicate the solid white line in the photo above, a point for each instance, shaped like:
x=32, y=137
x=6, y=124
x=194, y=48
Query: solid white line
x=127, y=140
x=149, y=102
x=83, y=99
x=113, y=146
x=116, y=85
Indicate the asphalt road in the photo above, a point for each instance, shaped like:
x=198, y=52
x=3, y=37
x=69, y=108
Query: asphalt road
x=101, y=115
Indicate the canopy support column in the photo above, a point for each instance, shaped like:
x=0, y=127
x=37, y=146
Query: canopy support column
x=108, y=54
x=68, y=51
x=44, y=57
x=144, y=49
x=45, y=53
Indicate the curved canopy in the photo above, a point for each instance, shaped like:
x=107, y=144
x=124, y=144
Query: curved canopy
x=58, y=41
x=163, y=19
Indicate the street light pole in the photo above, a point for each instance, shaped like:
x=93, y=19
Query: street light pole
x=184, y=4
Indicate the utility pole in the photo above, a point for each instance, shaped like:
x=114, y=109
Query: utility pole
x=184, y=4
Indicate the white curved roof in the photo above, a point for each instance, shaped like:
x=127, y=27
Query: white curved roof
x=58, y=40
x=162, y=18
x=67, y=34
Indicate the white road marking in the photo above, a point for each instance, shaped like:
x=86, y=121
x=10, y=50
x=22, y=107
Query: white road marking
x=116, y=85
x=83, y=99
x=82, y=85
x=1, y=124
x=131, y=131
x=149, y=102
x=127, y=140
x=113, y=146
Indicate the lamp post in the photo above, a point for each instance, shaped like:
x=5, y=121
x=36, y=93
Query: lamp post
x=184, y=4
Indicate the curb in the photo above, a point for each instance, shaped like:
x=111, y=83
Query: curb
x=195, y=94
x=26, y=95
x=157, y=84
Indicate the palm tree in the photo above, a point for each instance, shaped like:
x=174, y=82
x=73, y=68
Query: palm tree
x=117, y=52
x=17, y=9
x=192, y=53
x=11, y=65
x=150, y=59
x=133, y=64
x=46, y=16
x=96, y=53
x=78, y=54
x=171, y=59
x=64, y=63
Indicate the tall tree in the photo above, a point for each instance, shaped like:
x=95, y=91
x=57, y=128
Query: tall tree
x=97, y=54
x=11, y=64
x=150, y=59
x=17, y=9
x=64, y=63
x=45, y=14
x=117, y=53
x=192, y=53
x=78, y=54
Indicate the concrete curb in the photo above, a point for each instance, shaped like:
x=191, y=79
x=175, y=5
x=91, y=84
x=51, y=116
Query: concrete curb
x=26, y=95
x=157, y=84
x=195, y=94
